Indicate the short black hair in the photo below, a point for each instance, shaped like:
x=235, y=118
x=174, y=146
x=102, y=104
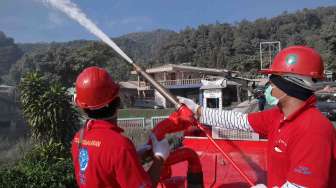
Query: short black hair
x=104, y=112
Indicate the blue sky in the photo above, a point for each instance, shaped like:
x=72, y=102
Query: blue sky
x=31, y=21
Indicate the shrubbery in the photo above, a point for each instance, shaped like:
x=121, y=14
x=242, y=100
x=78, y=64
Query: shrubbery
x=47, y=109
x=52, y=121
x=48, y=165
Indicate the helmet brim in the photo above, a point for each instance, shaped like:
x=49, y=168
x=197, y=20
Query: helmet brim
x=270, y=71
x=265, y=71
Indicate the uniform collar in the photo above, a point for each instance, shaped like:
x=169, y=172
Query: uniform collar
x=103, y=124
x=311, y=101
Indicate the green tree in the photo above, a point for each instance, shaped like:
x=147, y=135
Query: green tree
x=52, y=120
x=328, y=36
x=47, y=110
x=45, y=166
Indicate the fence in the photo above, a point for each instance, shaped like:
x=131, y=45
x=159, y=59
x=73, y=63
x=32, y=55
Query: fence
x=139, y=127
x=220, y=133
x=184, y=81
x=132, y=122
x=135, y=129
x=157, y=119
x=139, y=122
x=145, y=85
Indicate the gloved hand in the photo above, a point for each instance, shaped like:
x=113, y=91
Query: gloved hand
x=259, y=186
x=160, y=148
x=183, y=116
x=177, y=121
x=189, y=103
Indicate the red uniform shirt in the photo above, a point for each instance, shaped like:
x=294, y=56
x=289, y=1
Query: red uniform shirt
x=301, y=148
x=107, y=159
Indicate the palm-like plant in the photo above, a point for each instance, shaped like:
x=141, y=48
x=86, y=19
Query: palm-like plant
x=47, y=110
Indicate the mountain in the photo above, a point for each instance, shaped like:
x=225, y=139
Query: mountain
x=219, y=45
x=140, y=45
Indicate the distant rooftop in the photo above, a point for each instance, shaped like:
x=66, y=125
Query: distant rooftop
x=186, y=68
x=7, y=89
x=129, y=84
x=218, y=84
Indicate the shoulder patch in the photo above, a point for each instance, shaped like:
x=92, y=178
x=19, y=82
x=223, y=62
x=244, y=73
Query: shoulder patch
x=83, y=159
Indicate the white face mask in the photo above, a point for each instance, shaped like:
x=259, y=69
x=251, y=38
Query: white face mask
x=270, y=99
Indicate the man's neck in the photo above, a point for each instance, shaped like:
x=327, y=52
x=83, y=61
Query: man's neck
x=290, y=105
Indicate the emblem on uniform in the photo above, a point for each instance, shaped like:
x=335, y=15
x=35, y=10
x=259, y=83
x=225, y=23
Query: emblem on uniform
x=83, y=163
x=83, y=159
x=291, y=59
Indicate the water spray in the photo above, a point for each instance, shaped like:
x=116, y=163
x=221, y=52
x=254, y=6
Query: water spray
x=74, y=12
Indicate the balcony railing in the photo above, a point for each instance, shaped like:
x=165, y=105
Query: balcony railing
x=180, y=82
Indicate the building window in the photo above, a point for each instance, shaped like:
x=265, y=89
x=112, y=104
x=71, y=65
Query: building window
x=212, y=102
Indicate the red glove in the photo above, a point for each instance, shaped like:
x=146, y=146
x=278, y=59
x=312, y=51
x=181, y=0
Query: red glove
x=177, y=121
x=182, y=117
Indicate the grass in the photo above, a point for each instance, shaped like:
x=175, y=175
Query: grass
x=146, y=113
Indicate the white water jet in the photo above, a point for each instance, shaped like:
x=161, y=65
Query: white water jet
x=74, y=12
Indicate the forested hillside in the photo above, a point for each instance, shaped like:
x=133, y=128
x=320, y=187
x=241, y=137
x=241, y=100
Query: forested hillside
x=220, y=45
x=230, y=46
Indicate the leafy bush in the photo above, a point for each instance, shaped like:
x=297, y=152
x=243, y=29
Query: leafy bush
x=47, y=165
x=47, y=109
x=52, y=121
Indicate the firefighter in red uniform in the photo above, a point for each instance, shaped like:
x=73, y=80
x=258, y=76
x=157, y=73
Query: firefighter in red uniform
x=301, y=141
x=103, y=157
